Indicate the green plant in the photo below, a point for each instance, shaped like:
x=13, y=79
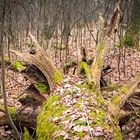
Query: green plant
x=26, y=134
x=117, y=45
x=128, y=40
x=41, y=87
x=18, y=66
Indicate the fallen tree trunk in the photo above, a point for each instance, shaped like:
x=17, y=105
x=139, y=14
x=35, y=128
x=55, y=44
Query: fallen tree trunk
x=75, y=112
x=70, y=115
x=87, y=115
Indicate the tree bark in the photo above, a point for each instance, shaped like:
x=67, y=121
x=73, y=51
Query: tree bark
x=103, y=45
x=42, y=61
x=125, y=92
x=3, y=86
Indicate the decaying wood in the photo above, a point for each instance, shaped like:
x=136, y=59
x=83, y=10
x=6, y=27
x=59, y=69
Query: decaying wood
x=81, y=56
x=21, y=119
x=41, y=60
x=114, y=20
x=101, y=50
x=70, y=65
x=31, y=101
x=97, y=64
x=103, y=45
x=125, y=92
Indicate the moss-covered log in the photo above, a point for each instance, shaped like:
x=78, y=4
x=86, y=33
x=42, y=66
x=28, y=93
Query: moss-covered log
x=77, y=113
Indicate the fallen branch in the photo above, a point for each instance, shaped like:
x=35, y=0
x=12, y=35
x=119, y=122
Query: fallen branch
x=125, y=92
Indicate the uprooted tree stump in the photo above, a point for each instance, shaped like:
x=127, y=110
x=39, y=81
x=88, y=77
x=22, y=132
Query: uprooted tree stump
x=42, y=61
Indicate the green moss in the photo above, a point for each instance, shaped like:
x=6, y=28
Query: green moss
x=83, y=85
x=12, y=111
x=124, y=89
x=66, y=118
x=46, y=130
x=98, y=138
x=117, y=45
x=71, y=133
x=99, y=116
x=46, y=127
x=117, y=134
x=18, y=66
x=94, y=92
x=80, y=134
x=128, y=40
x=41, y=87
x=112, y=87
x=58, y=77
x=99, y=60
x=116, y=100
x=61, y=110
x=60, y=138
x=77, y=105
x=100, y=101
x=84, y=66
x=26, y=135
x=80, y=122
x=51, y=101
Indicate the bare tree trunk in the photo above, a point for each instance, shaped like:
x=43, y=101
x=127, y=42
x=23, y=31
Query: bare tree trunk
x=3, y=88
x=103, y=45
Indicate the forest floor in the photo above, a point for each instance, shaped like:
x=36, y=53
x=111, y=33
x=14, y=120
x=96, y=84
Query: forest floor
x=16, y=82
